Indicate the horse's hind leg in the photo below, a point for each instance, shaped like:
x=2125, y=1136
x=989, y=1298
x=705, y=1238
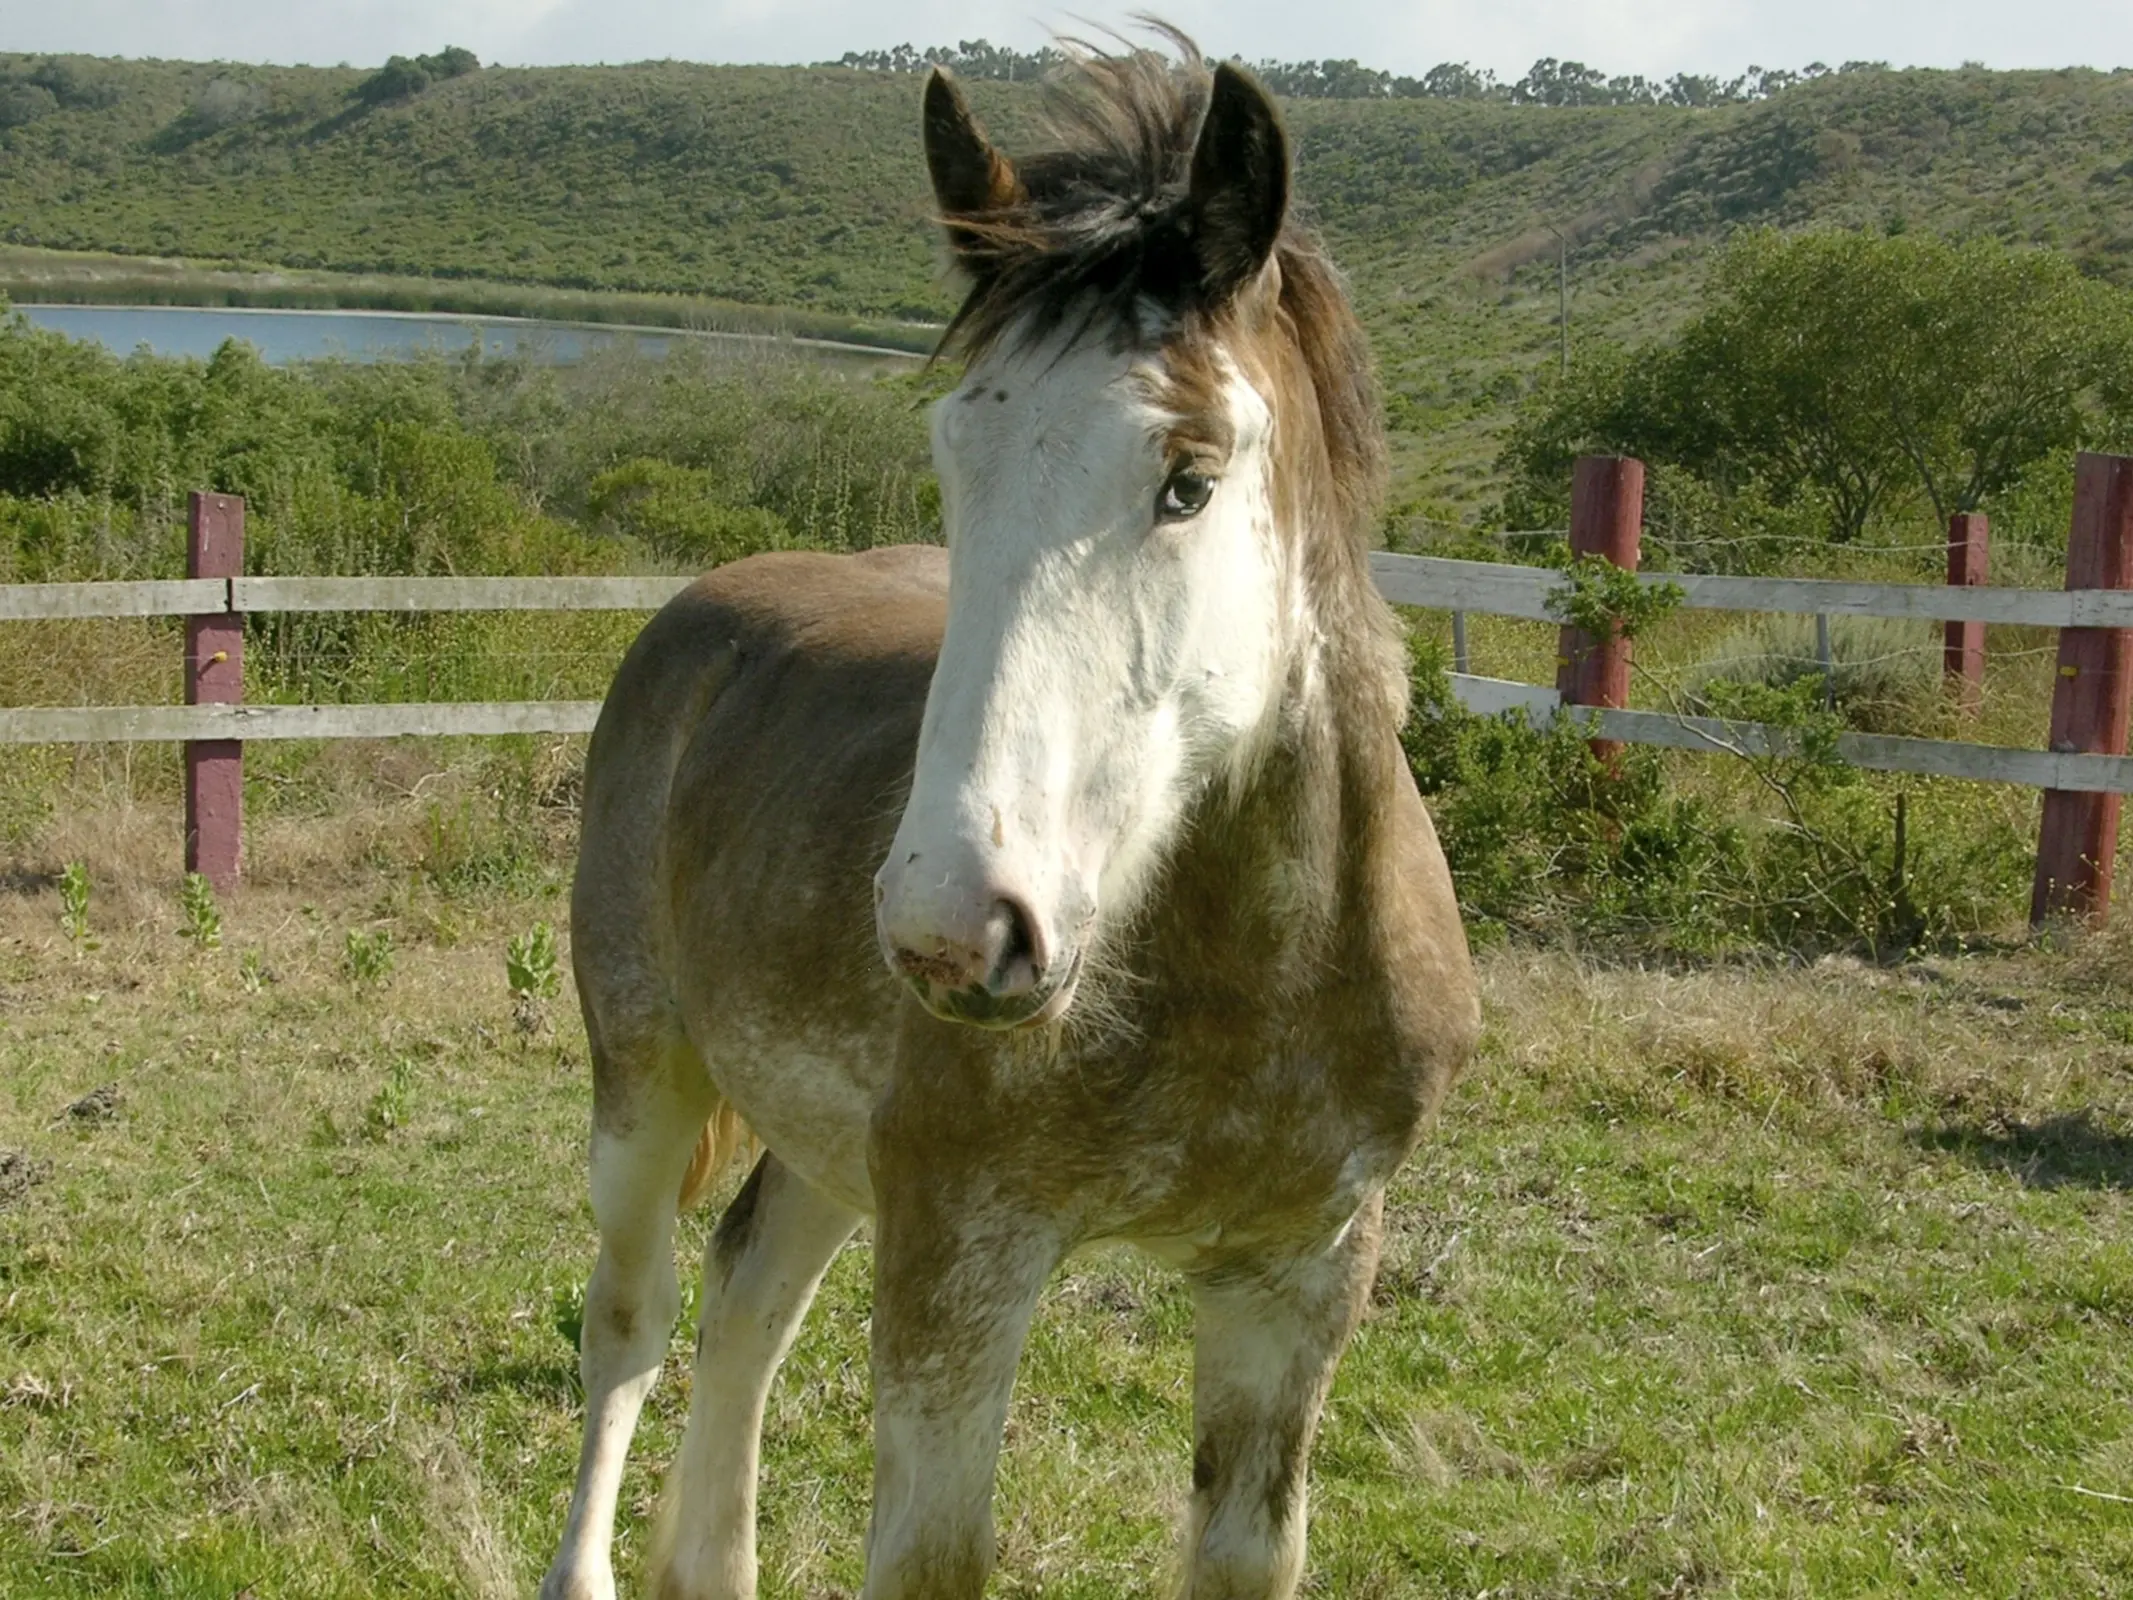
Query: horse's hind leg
x=651, y=1103
x=761, y=1268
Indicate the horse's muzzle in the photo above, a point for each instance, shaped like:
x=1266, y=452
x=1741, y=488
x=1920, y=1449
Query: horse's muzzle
x=996, y=972
x=982, y=1007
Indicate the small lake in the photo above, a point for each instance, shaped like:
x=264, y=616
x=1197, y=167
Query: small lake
x=282, y=336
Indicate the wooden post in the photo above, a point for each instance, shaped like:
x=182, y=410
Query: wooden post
x=1606, y=519
x=2092, y=699
x=1963, y=659
x=214, y=675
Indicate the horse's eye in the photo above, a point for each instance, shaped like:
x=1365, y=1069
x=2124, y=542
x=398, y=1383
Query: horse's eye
x=1185, y=494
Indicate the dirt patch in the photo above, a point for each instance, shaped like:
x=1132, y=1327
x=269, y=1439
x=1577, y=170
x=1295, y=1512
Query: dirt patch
x=100, y=1104
x=19, y=1173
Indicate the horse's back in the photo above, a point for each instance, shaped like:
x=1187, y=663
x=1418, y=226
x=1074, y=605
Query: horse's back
x=743, y=781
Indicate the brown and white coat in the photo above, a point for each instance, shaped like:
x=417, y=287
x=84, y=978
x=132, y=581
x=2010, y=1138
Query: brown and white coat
x=1065, y=885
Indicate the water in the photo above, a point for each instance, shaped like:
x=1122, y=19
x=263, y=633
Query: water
x=282, y=336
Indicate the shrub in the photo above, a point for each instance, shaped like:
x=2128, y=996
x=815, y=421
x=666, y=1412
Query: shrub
x=226, y=102
x=402, y=78
x=1544, y=841
x=1542, y=838
x=1884, y=674
x=23, y=103
x=675, y=513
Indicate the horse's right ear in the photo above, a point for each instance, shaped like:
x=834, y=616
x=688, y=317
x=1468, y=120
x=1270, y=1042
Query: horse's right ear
x=970, y=178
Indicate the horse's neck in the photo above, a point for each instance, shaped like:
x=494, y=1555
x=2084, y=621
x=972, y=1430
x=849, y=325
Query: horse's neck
x=1269, y=872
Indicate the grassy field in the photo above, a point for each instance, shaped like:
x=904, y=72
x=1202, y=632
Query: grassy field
x=1761, y=1279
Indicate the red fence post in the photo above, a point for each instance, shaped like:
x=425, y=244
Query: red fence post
x=1963, y=661
x=214, y=675
x=1606, y=519
x=2092, y=699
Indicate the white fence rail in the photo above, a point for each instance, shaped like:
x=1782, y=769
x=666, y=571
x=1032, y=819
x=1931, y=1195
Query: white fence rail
x=1877, y=752
x=163, y=597
x=1423, y=581
x=447, y=719
x=1511, y=591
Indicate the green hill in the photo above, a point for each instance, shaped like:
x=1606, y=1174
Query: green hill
x=804, y=188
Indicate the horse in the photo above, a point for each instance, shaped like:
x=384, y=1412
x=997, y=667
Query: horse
x=1064, y=886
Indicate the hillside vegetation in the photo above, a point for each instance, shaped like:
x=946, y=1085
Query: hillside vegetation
x=803, y=187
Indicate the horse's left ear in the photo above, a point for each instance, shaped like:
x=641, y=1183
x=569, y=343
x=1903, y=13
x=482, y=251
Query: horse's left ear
x=1240, y=183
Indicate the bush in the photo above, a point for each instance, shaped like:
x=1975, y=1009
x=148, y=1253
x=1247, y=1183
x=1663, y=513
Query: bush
x=226, y=102
x=23, y=103
x=402, y=78
x=1884, y=675
x=676, y=514
x=1542, y=839
x=1705, y=854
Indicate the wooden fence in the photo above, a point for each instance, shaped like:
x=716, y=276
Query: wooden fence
x=2085, y=772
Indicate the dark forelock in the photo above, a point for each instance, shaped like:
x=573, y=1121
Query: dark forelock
x=1099, y=228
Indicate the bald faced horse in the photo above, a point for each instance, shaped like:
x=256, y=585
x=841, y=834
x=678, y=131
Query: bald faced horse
x=1063, y=886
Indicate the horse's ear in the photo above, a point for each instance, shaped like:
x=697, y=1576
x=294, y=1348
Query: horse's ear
x=970, y=178
x=1240, y=183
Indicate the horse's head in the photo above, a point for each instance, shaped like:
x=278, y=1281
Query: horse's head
x=1140, y=428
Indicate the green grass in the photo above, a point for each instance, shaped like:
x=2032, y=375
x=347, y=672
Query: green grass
x=1735, y=1280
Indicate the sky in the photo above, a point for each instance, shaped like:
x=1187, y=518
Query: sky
x=1653, y=37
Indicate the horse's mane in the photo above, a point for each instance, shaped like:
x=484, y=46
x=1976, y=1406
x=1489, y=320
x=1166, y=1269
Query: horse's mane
x=1098, y=231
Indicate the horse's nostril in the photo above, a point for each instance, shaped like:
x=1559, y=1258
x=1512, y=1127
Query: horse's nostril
x=1014, y=954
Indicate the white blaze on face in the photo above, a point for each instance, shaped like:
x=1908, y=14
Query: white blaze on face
x=1103, y=662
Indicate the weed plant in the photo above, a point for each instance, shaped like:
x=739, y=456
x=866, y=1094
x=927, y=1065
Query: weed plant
x=74, y=902
x=530, y=967
x=367, y=956
x=533, y=975
x=202, y=918
x=388, y=1108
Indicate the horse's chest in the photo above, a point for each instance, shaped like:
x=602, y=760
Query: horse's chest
x=1283, y=1136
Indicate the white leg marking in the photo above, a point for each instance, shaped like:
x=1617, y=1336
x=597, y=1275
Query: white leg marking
x=761, y=1269
x=630, y=1306
x=1264, y=1349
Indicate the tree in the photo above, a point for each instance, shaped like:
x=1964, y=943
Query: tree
x=1771, y=381
x=1993, y=359
x=23, y=103
x=1854, y=369
x=402, y=78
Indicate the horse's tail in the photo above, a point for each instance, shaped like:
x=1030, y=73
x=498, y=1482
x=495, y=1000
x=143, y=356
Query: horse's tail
x=723, y=1137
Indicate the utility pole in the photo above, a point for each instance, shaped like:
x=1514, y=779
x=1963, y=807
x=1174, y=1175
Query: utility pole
x=1562, y=291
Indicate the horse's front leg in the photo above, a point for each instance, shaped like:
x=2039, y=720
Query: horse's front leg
x=1266, y=1340
x=957, y=1273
